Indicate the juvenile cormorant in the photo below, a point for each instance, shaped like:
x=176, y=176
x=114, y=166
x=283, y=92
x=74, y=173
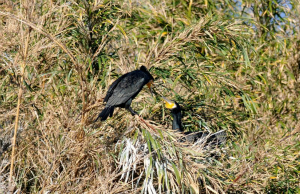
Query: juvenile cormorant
x=192, y=137
x=124, y=90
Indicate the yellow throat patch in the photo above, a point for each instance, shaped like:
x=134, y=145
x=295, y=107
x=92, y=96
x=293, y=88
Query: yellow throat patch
x=170, y=105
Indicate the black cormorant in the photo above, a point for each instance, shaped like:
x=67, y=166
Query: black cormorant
x=192, y=137
x=124, y=90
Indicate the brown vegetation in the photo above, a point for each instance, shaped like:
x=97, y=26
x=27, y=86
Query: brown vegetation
x=231, y=66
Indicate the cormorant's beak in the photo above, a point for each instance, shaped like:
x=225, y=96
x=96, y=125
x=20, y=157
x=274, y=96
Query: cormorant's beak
x=149, y=84
x=166, y=100
x=169, y=103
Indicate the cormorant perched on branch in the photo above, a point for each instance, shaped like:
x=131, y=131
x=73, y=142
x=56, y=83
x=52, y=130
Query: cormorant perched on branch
x=124, y=90
x=192, y=137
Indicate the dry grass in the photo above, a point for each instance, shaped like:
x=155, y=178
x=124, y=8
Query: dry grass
x=227, y=71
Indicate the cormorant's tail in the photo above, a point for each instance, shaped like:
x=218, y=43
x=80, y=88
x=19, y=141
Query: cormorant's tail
x=108, y=111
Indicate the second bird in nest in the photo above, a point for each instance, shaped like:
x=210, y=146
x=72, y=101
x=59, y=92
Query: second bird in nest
x=192, y=137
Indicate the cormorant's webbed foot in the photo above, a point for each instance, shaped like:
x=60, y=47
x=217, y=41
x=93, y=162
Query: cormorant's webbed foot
x=132, y=111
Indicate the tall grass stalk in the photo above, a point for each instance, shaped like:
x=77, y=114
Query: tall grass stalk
x=22, y=68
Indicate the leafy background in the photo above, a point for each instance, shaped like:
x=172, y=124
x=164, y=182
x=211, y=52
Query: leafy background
x=232, y=65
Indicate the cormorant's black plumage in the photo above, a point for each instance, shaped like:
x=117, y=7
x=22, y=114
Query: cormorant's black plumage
x=192, y=137
x=124, y=90
x=177, y=116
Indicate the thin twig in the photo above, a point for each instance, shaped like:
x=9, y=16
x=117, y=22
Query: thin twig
x=147, y=124
x=15, y=136
x=18, y=107
x=241, y=174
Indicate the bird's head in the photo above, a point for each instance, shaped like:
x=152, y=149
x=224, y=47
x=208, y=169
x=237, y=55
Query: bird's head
x=169, y=103
x=176, y=113
x=143, y=68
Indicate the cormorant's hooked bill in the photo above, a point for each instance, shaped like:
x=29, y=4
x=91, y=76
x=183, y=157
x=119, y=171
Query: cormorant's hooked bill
x=122, y=91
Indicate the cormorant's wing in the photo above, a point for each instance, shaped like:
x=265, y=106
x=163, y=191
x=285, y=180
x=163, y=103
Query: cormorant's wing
x=112, y=87
x=213, y=139
x=217, y=138
x=220, y=136
x=192, y=137
x=127, y=88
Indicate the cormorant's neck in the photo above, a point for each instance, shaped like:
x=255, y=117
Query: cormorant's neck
x=176, y=113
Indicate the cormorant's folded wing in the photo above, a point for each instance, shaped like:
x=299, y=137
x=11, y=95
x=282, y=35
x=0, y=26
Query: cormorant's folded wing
x=112, y=87
x=127, y=88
